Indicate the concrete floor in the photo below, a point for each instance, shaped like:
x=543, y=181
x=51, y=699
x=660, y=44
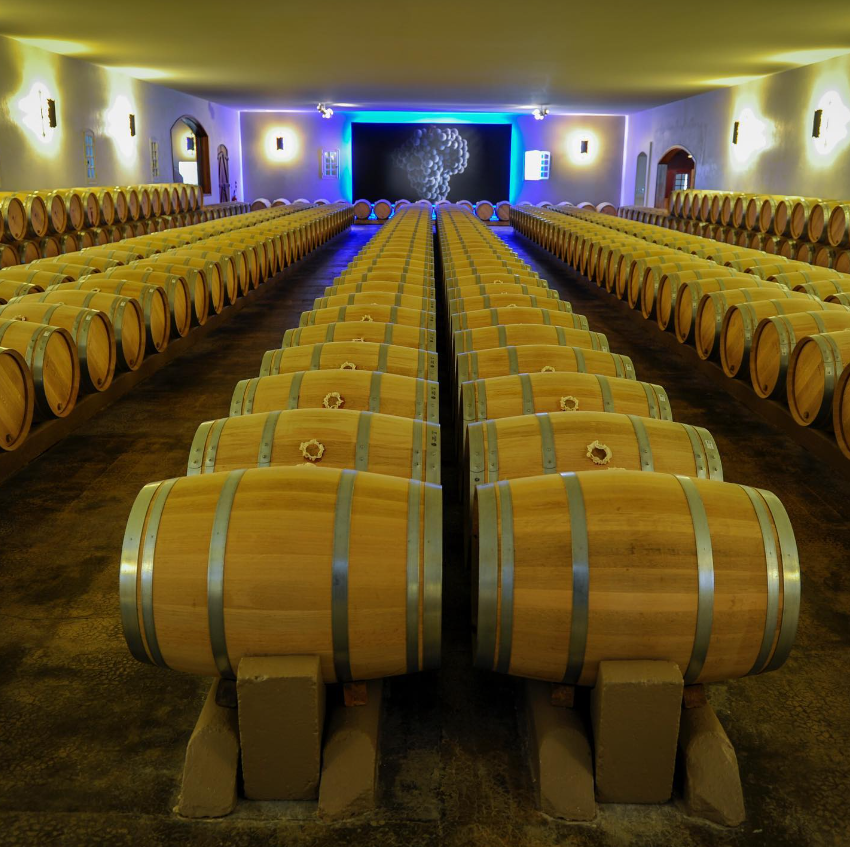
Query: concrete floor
x=91, y=742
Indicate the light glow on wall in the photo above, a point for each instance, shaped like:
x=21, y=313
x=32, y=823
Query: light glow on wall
x=754, y=135
x=55, y=45
x=117, y=119
x=833, y=127
x=291, y=144
x=33, y=108
x=582, y=139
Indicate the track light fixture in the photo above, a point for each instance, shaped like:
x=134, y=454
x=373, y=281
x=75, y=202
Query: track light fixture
x=540, y=112
x=327, y=111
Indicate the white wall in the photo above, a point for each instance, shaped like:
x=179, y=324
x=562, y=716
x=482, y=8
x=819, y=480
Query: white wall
x=789, y=164
x=84, y=95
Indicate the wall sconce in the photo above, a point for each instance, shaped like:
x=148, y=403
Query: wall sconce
x=540, y=112
x=749, y=135
x=190, y=142
x=132, y=125
x=736, y=128
x=831, y=119
x=39, y=112
x=584, y=147
x=279, y=142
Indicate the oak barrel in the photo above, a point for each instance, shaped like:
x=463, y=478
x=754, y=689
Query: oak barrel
x=17, y=399
x=380, y=333
x=380, y=314
x=514, y=335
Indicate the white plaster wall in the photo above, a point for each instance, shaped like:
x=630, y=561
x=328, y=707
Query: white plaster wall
x=84, y=93
x=703, y=125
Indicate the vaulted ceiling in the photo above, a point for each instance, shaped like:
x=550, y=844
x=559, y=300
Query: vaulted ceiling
x=611, y=56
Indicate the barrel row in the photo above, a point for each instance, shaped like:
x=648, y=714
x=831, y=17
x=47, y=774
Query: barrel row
x=79, y=321
x=565, y=552
x=745, y=308
x=318, y=496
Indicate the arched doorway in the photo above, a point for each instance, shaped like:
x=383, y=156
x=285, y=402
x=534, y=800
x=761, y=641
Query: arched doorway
x=223, y=174
x=676, y=171
x=640, y=179
x=190, y=153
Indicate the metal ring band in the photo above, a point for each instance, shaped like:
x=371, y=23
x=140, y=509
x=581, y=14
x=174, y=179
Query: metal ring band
x=506, y=576
x=339, y=583
x=237, y=401
x=527, y=394
x=146, y=576
x=414, y=494
x=580, y=579
x=513, y=360
x=268, y=359
x=561, y=336
x=264, y=452
x=502, y=335
x=433, y=410
x=196, y=453
x=628, y=365
x=131, y=552
x=294, y=392
x=705, y=579
x=605, y=389
x=772, y=578
x=433, y=453
x=700, y=459
x=644, y=446
x=417, y=449
x=315, y=357
x=492, y=450
x=36, y=362
x=488, y=550
x=581, y=362
x=475, y=453
x=288, y=336
x=212, y=448
x=468, y=396
x=790, y=580
x=480, y=389
x=375, y=391
x=549, y=459
x=652, y=408
x=715, y=466
x=663, y=403
x=832, y=368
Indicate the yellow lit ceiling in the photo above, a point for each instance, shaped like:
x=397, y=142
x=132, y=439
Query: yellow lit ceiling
x=609, y=56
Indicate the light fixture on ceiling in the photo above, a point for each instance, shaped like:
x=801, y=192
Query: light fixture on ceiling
x=540, y=112
x=327, y=111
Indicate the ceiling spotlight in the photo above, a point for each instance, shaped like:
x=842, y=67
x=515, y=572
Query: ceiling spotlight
x=327, y=111
x=540, y=112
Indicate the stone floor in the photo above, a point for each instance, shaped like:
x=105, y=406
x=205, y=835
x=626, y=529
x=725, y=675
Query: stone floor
x=91, y=742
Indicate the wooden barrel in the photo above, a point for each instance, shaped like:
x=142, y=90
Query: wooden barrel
x=713, y=307
x=816, y=363
x=474, y=303
x=57, y=211
x=76, y=265
x=379, y=333
x=176, y=289
x=414, y=289
x=531, y=393
x=352, y=355
x=713, y=584
x=152, y=299
x=10, y=288
x=691, y=293
x=484, y=210
x=69, y=243
x=371, y=391
x=362, y=209
x=338, y=438
x=350, y=571
x=377, y=298
x=124, y=313
x=740, y=323
x=553, y=442
x=50, y=247
x=841, y=412
x=540, y=358
x=823, y=289
x=483, y=277
x=51, y=355
x=653, y=274
x=514, y=335
x=14, y=217
x=775, y=339
x=91, y=330
x=838, y=226
x=383, y=209
x=491, y=289
x=366, y=314
x=17, y=399
x=503, y=210
x=516, y=315
x=229, y=269
x=245, y=261
x=9, y=256
x=193, y=270
x=75, y=211
x=817, y=228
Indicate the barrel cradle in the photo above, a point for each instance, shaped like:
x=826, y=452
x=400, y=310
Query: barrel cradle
x=336, y=438
x=373, y=391
x=350, y=571
x=352, y=355
x=574, y=568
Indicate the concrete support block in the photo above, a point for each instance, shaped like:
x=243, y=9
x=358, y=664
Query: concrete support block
x=281, y=717
x=350, y=757
x=635, y=708
x=212, y=760
x=561, y=761
x=712, y=781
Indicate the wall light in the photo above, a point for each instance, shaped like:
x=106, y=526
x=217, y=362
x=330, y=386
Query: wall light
x=540, y=112
x=38, y=111
x=582, y=146
x=190, y=142
x=327, y=111
x=118, y=126
x=749, y=135
x=132, y=125
x=281, y=144
x=829, y=127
